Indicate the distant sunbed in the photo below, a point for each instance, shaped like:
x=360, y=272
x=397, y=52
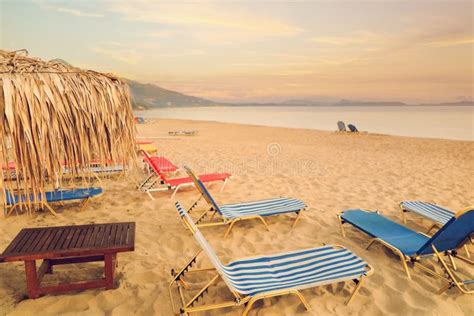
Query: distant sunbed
x=412, y=246
x=157, y=176
x=183, y=133
x=352, y=128
x=233, y=213
x=341, y=126
x=253, y=279
x=81, y=194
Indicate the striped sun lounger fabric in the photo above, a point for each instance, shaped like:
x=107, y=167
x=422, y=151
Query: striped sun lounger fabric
x=263, y=208
x=292, y=270
x=431, y=211
x=267, y=207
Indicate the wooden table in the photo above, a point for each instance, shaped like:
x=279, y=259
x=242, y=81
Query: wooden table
x=69, y=244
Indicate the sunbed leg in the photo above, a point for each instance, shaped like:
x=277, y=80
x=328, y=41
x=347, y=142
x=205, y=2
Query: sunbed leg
x=468, y=254
x=9, y=212
x=264, y=223
x=231, y=225
x=403, y=214
x=297, y=219
x=453, y=264
x=405, y=266
x=175, y=191
x=151, y=196
x=84, y=204
x=223, y=185
x=249, y=306
x=341, y=223
x=356, y=290
x=398, y=252
x=213, y=214
x=50, y=208
x=302, y=299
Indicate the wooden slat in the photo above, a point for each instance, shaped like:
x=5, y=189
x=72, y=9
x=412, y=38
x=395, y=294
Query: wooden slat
x=118, y=235
x=34, y=241
x=87, y=237
x=92, y=237
x=43, y=239
x=131, y=234
x=98, y=237
x=105, y=232
x=56, y=239
x=47, y=242
x=67, y=238
x=111, y=237
x=16, y=241
x=75, y=237
x=29, y=236
x=80, y=238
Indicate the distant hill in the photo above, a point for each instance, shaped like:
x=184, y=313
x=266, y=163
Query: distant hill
x=147, y=96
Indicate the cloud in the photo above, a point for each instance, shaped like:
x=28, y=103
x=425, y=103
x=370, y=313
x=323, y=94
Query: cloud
x=79, y=13
x=357, y=38
x=127, y=56
x=76, y=11
x=203, y=15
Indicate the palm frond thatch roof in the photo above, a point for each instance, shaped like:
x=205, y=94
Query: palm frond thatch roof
x=51, y=112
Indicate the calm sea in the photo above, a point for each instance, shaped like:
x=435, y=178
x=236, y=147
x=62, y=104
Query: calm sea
x=449, y=122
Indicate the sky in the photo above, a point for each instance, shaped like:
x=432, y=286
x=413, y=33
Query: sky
x=260, y=51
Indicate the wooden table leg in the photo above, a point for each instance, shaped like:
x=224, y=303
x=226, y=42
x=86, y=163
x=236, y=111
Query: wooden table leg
x=109, y=268
x=31, y=279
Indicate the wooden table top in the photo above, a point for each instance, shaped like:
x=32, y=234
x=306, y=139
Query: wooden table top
x=68, y=241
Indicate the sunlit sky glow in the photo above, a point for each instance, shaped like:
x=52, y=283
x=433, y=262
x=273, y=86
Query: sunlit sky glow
x=411, y=51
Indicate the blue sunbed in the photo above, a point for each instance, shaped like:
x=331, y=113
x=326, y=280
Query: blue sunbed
x=408, y=244
x=80, y=194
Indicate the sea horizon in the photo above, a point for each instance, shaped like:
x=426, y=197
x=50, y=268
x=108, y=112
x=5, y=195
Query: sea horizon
x=440, y=122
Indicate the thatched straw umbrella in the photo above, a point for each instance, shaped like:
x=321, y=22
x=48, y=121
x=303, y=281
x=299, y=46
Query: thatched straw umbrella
x=51, y=112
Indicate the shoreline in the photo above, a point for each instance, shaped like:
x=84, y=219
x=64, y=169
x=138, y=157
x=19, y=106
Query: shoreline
x=361, y=133
x=446, y=123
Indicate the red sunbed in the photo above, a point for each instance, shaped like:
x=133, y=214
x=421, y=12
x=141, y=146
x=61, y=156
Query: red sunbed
x=157, y=175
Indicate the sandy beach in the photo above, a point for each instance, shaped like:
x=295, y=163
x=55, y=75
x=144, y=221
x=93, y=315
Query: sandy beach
x=329, y=171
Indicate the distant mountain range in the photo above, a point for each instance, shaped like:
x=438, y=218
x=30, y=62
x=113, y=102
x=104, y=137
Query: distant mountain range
x=149, y=96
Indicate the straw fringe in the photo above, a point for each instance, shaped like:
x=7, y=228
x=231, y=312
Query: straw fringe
x=51, y=112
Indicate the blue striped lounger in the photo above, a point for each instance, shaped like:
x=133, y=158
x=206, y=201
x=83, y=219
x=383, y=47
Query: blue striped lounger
x=232, y=213
x=430, y=211
x=253, y=279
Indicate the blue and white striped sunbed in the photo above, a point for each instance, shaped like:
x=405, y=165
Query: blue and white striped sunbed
x=255, y=278
x=231, y=213
x=268, y=207
x=430, y=211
